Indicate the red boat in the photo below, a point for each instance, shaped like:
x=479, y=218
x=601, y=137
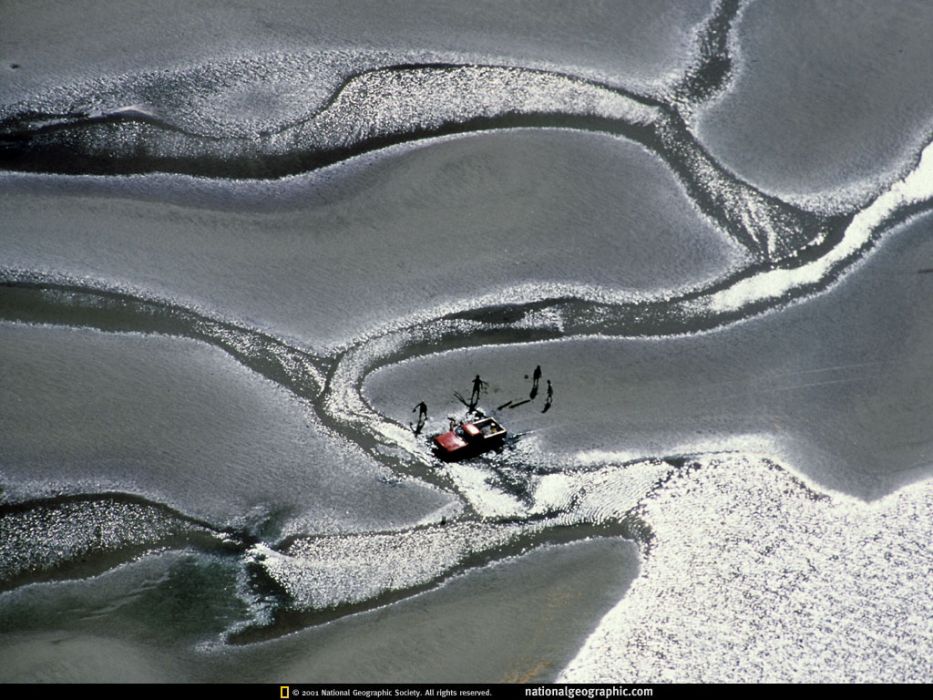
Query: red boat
x=469, y=439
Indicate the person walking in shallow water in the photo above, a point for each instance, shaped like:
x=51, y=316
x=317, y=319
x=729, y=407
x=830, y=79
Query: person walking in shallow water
x=548, y=397
x=422, y=409
x=535, y=378
x=478, y=386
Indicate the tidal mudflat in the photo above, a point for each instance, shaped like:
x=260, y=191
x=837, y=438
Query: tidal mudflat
x=681, y=251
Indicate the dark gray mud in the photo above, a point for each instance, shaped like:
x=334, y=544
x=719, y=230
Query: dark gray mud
x=830, y=100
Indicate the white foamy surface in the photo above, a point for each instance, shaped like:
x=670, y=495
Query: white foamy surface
x=752, y=577
x=914, y=188
x=324, y=572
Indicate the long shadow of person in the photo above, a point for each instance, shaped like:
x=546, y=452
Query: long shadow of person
x=422, y=409
x=535, y=378
x=548, y=398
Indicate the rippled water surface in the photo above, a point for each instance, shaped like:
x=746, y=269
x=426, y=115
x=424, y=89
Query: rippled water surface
x=234, y=258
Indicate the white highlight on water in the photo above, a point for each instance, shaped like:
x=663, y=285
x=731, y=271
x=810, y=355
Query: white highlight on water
x=914, y=188
x=753, y=577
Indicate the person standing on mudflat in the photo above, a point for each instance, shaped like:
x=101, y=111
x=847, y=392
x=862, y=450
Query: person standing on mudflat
x=422, y=409
x=478, y=386
x=548, y=398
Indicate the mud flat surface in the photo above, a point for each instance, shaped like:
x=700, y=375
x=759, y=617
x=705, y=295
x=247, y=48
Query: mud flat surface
x=234, y=259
